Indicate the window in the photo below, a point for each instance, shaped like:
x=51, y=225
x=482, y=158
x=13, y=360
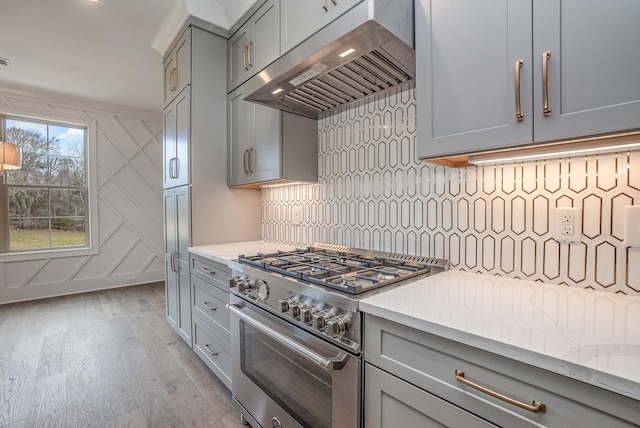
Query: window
x=46, y=201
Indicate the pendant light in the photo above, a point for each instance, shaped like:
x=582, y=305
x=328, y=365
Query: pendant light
x=10, y=157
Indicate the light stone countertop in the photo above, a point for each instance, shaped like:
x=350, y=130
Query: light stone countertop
x=222, y=253
x=588, y=335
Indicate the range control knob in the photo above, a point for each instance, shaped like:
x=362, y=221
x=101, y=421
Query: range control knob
x=320, y=319
x=285, y=303
x=244, y=286
x=306, y=314
x=297, y=308
x=263, y=290
x=337, y=326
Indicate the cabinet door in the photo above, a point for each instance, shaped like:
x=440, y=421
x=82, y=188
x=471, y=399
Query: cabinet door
x=466, y=75
x=177, y=67
x=264, y=48
x=176, y=139
x=183, y=240
x=170, y=247
x=593, y=82
x=241, y=129
x=390, y=402
x=237, y=52
x=266, y=156
x=301, y=18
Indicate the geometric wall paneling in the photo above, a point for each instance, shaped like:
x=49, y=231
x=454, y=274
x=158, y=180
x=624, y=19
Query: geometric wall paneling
x=129, y=202
x=497, y=219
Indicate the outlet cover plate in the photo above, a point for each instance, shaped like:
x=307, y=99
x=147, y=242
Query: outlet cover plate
x=568, y=225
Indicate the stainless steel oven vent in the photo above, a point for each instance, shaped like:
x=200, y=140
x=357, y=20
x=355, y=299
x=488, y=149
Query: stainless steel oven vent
x=366, y=51
x=367, y=75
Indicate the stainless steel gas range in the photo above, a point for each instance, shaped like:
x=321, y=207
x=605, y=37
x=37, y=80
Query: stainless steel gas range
x=297, y=331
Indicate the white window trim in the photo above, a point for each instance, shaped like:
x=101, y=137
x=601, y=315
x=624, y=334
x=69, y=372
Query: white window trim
x=92, y=186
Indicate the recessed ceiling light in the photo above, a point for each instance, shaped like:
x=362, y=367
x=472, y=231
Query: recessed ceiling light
x=277, y=91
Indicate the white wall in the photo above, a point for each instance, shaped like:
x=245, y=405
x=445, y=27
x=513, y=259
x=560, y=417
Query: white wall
x=374, y=194
x=129, y=201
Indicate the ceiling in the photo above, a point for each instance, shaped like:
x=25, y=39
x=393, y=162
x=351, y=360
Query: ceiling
x=100, y=51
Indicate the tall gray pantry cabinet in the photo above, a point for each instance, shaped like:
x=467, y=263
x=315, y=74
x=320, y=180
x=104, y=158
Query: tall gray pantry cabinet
x=199, y=208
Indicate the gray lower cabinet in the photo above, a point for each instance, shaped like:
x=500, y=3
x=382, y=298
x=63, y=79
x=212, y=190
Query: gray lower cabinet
x=211, y=318
x=267, y=145
x=523, y=73
x=439, y=367
x=177, y=234
x=391, y=402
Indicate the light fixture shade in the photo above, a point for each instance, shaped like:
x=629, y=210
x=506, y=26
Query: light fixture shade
x=10, y=156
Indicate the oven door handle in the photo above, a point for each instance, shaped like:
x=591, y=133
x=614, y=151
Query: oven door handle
x=327, y=363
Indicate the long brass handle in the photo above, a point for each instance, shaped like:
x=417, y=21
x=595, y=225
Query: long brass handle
x=244, y=57
x=173, y=261
x=244, y=161
x=545, y=83
x=209, y=350
x=171, y=168
x=175, y=168
x=249, y=162
x=209, y=306
x=172, y=79
x=535, y=407
x=324, y=6
x=249, y=54
x=519, y=115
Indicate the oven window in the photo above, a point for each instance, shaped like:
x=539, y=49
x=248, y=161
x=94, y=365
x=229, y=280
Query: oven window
x=299, y=386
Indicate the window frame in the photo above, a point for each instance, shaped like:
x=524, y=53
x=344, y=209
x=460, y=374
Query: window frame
x=91, y=133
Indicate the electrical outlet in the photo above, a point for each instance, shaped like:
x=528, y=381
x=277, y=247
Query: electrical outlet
x=295, y=215
x=568, y=225
x=132, y=280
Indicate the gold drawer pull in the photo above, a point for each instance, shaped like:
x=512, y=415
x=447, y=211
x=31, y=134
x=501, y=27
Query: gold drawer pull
x=209, y=306
x=209, y=350
x=519, y=115
x=209, y=271
x=546, y=111
x=536, y=407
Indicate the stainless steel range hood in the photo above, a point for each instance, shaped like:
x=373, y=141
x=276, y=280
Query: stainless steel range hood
x=313, y=77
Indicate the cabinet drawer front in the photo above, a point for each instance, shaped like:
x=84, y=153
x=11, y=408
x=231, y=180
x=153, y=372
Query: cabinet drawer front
x=430, y=362
x=213, y=350
x=214, y=273
x=391, y=402
x=209, y=302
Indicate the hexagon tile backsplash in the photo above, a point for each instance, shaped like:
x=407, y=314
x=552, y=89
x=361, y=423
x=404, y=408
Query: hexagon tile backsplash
x=374, y=194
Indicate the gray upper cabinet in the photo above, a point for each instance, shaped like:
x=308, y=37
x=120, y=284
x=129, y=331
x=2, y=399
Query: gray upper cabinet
x=593, y=81
x=267, y=145
x=177, y=70
x=176, y=137
x=484, y=88
x=255, y=45
x=300, y=19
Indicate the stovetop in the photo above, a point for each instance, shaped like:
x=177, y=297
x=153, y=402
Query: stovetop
x=350, y=270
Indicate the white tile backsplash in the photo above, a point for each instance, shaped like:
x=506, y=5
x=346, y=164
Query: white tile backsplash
x=497, y=219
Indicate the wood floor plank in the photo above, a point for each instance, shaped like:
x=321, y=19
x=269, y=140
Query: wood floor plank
x=104, y=359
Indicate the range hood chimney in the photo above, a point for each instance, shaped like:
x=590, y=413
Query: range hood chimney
x=367, y=50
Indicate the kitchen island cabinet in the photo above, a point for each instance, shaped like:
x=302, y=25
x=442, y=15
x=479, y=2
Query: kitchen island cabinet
x=523, y=73
x=199, y=207
x=570, y=356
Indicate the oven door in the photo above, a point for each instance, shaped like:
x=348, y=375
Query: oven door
x=286, y=377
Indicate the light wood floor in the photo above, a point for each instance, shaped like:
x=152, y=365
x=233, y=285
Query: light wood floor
x=104, y=359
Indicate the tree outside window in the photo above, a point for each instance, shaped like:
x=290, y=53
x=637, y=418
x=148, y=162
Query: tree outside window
x=47, y=198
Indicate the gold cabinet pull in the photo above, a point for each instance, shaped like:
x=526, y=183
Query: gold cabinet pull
x=244, y=161
x=245, y=57
x=535, y=407
x=519, y=115
x=209, y=271
x=249, y=158
x=209, y=350
x=249, y=55
x=324, y=6
x=173, y=266
x=209, y=306
x=545, y=83
x=172, y=79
